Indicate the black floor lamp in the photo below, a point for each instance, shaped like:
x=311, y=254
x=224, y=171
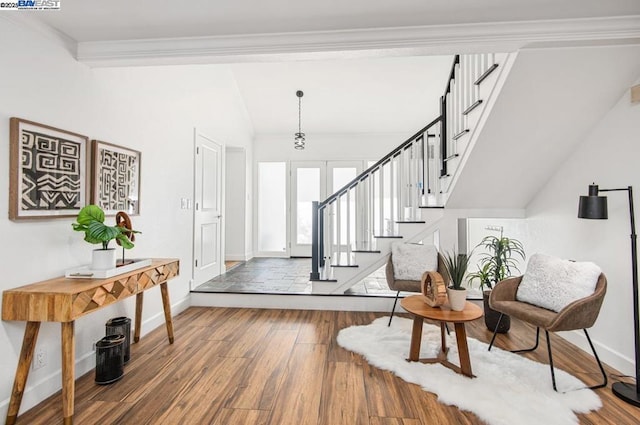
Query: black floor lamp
x=594, y=206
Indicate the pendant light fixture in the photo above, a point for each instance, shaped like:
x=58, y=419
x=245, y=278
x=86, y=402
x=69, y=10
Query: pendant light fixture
x=299, y=140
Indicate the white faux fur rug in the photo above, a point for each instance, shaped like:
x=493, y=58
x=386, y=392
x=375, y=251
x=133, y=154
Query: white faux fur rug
x=508, y=388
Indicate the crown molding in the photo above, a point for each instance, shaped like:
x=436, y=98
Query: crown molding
x=44, y=30
x=434, y=39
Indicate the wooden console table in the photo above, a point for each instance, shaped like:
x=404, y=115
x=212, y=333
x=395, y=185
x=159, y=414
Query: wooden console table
x=64, y=300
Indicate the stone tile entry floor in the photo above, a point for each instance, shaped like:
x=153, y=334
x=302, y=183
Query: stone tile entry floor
x=285, y=276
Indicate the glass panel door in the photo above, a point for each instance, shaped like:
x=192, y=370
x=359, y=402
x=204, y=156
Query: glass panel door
x=308, y=184
x=339, y=174
x=272, y=208
x=314, y=181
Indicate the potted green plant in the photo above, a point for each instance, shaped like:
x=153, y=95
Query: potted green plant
x=497, y=263
x=457, y=265
x=90, y=220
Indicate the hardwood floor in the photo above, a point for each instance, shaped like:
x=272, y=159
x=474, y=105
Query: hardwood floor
x=280, y=367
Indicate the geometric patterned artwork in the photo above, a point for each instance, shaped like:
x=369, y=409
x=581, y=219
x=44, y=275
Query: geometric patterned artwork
x=48, y=171
x=116, y=178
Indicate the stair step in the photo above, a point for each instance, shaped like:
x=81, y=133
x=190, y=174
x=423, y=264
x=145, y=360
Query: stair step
x=344, y=265
x=472, y=107
x=411, y=222
x=366, y=251
x=486, y=74
x=388, y=237
x=449, y=158
x=459, y=135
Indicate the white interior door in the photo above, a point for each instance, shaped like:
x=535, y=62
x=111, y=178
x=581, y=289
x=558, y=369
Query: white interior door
x=208, y=207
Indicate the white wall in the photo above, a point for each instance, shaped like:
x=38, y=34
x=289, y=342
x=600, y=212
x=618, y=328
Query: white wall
x=236, y=204
x=153, y=110
x=609, y=157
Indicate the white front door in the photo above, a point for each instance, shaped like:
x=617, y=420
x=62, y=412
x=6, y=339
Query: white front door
x=308, y=184
x=207, y=238
x=315, y=181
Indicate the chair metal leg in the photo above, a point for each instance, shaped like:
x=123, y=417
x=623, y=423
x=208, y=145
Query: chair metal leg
x=495, y=332
x=604, y=374
x=394, y=307
x=526, y=350
x=553, y=375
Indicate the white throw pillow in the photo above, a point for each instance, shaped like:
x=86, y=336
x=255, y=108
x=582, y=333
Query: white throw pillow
x=554, y=283
x=410, y=261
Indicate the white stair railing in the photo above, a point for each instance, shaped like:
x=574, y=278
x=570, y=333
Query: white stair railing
x=391, y=192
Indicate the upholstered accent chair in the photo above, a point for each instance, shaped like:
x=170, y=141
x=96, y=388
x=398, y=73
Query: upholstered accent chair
x=580, y=314
x=410, y=285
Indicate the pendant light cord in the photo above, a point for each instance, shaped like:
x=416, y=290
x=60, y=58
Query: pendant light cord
x=299, y=114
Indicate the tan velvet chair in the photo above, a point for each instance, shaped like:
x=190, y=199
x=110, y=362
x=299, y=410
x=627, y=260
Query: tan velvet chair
x=409, y=285
x=580, y=314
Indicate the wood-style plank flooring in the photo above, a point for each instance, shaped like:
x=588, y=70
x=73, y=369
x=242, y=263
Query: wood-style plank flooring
x=247, y=366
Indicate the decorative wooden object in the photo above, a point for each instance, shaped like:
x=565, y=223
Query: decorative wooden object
x=123, y=220
x=635, y=94
x=420, y=311
x=433, y=289
x=64, y=300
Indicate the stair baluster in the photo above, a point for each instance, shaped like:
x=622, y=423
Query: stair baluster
x=413, y=175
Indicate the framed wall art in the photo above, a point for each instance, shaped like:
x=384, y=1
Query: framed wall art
x=48, y=171
x=116, y=178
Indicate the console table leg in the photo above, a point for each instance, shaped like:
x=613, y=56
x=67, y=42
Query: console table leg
x=68, y=371
x=164, y=290
x=22, y=371
x=136, y=332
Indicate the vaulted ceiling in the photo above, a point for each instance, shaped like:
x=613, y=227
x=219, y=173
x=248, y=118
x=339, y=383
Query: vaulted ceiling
x=85, y=20
x=365, y=65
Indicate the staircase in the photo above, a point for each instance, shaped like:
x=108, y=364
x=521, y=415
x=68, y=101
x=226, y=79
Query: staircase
x=402, y=196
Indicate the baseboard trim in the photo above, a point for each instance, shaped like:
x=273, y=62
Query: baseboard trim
x=611, y=357
x=292, y=302
x=38, y=391
x=239, y=257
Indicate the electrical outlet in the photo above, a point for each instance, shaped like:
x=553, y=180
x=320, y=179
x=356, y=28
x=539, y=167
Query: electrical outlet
x=40, y=359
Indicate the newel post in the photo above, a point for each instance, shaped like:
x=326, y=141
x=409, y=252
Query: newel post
x=316, y=238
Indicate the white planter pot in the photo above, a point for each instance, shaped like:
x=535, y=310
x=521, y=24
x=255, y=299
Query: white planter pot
x=103, y=259
x=457, y=298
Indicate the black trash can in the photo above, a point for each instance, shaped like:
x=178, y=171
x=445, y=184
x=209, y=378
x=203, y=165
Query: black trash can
x=109, y=359
x=121, y=326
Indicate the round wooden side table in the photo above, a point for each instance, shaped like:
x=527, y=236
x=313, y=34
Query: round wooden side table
x=420, y=310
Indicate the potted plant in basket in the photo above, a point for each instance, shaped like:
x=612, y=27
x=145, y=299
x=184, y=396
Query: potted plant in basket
x=90, y=220
x=496, y=264
x=456, y=265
